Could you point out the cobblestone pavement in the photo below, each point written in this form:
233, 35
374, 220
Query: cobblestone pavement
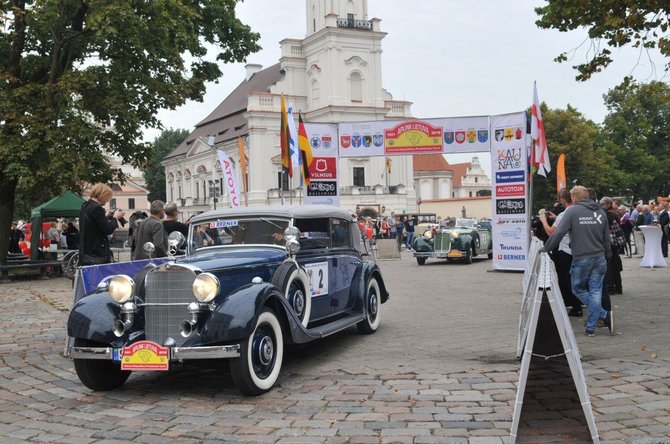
441, 369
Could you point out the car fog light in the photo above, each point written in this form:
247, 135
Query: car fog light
205, 287
121, 288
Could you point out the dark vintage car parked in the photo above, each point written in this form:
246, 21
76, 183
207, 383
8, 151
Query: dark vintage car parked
253, 281
461, 242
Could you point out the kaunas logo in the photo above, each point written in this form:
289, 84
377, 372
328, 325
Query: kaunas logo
509, 158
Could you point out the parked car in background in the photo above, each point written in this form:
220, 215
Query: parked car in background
461, 242
253, 281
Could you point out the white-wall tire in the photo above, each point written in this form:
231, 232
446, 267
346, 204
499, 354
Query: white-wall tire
373, 302
261, 355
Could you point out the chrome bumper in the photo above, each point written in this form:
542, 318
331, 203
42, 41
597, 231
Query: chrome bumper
176, 353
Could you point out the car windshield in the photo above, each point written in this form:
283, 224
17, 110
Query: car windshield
238, 231
466, 222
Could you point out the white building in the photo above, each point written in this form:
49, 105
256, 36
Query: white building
332, 75
435, 178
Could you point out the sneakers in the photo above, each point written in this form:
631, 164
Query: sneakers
609, 322
590, 333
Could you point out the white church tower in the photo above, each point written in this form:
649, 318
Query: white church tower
332, 75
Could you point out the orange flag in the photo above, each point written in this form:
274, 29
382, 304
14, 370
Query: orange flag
285, 136
243, 168
560, 173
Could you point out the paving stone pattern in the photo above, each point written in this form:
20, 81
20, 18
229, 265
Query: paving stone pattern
441, 369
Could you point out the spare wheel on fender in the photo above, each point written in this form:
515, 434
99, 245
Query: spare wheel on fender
293, 282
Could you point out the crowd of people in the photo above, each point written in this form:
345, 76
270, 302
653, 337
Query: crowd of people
586, 238
399, 227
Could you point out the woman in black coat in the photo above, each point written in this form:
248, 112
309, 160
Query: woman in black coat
95, 227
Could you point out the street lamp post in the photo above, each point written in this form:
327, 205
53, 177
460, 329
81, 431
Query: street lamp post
214, 192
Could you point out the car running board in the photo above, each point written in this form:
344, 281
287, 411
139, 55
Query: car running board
336, 326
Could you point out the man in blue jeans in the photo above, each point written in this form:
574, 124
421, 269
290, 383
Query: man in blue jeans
590, 244
409, 233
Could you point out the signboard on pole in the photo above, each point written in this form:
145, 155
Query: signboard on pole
323, 188
509, 193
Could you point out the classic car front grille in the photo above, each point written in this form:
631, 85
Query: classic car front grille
442, 242
172, 290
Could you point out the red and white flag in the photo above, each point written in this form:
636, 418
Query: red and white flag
540, 152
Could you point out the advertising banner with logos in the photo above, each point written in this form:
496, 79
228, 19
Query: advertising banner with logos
509, 194
408, 137
323, 188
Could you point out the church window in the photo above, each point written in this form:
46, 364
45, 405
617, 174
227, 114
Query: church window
315, 91
282, 181
359, 176
356, 84
131, 203
475, 179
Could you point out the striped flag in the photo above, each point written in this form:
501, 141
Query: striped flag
284, 141
540, 159
305, 150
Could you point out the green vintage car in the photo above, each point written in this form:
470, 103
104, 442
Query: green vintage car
461, 242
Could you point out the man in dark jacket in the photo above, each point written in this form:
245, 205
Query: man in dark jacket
151, 230
664, 222
587, 225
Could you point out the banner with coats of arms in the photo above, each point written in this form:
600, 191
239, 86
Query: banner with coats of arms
509, 193
408, 137
323, 188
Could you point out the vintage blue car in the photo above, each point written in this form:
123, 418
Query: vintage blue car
253, 280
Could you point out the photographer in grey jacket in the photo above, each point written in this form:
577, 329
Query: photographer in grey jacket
590, 244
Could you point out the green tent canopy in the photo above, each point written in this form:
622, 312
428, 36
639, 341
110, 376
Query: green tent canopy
67, 204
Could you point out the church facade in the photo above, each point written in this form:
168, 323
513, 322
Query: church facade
332, 75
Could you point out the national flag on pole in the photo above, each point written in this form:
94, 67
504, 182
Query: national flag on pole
293, 138
561, 179
284, 140
540, 158
305, 150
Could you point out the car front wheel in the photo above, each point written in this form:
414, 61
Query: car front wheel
373, 301
294, 285
98, 375
420, 260
261, 356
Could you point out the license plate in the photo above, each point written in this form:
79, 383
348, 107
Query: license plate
145, 355
455, 253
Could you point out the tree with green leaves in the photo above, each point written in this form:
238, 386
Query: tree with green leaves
611, 24
154, 173
586, 161
636, 132
83, 78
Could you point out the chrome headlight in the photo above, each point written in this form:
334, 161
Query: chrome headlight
205, 287
455, 234
121, 288
428, 234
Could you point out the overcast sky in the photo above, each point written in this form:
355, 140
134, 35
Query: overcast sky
450, 58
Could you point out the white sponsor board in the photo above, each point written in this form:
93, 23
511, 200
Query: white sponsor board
408, 137
324, 183
541, 281
509, 191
